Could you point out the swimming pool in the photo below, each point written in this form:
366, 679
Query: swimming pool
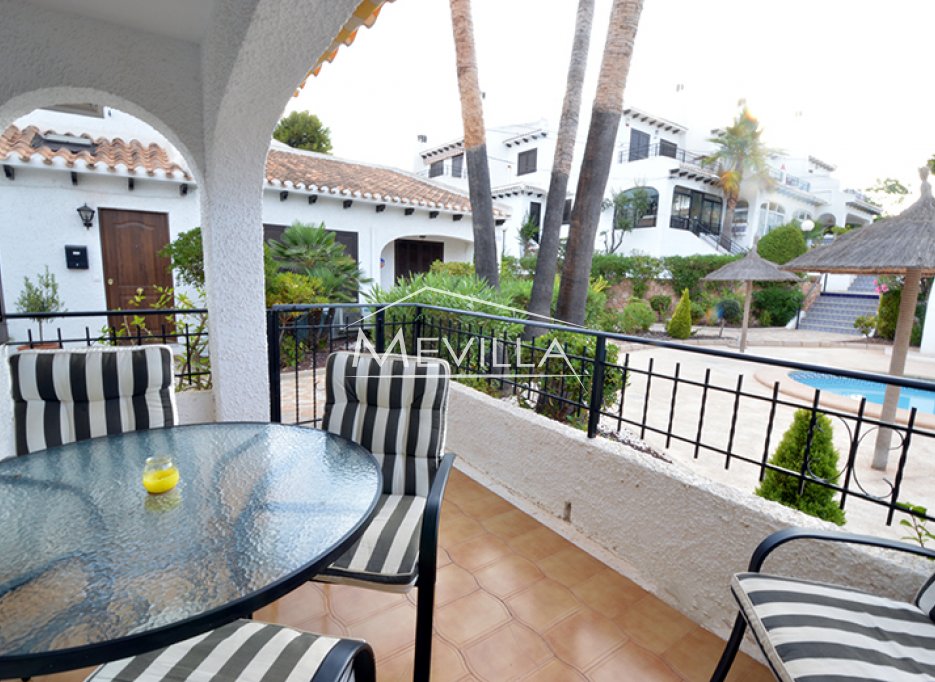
924, 401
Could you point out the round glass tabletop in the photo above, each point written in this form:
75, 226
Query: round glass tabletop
88, 556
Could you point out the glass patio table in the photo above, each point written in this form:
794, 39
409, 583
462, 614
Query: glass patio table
93, 568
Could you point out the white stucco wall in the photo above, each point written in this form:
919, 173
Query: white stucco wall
677, 534
42, 219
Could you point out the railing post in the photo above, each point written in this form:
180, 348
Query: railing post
597, 386
381, 330
273, 353
416, 328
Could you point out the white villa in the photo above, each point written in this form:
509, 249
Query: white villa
143, 195
666, 160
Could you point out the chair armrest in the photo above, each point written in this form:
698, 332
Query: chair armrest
781, 537
428, 538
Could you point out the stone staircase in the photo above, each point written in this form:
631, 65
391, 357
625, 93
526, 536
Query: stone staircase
836, 312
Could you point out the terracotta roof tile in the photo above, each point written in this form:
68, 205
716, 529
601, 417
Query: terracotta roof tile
327, 175
29, 145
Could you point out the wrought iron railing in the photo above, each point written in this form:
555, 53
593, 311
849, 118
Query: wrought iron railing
640, 152
183, 329
725, 415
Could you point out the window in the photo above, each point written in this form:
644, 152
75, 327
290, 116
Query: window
457, 163
696, 211
437, 168
636, 207
667, 148
535, 212
741, 211
771, 215
566, 212
639, 145
526, 162
803, 215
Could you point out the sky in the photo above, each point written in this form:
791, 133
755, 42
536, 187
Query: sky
848, 81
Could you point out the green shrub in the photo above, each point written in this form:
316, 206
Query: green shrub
661, 304
782, 244
680, 326
783, 487
865, 324
698, 312
642, 270
637, 316
729, 310
41, 297
687, 272
185, 253
527, 264
455, 268
610, 266
888, 313
776, 304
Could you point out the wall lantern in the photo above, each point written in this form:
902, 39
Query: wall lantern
87, 215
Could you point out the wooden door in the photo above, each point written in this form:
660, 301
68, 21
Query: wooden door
130, 245
413, 256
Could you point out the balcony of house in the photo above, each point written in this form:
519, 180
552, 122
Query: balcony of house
603, 496
452, 168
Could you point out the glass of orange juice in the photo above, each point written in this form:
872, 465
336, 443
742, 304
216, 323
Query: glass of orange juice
160, 474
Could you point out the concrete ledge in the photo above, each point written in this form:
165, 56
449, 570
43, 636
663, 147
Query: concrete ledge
679, 535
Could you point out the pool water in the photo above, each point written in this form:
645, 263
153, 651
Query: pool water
924, 401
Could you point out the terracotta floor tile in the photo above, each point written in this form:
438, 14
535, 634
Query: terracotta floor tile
485, 506
584, 638
323, 625
632, 663
539, 544
443, 558
67, 676
453, 582
470, 617
571, 566
543, 604
304, 603
696, 654
479, 551
508, 575
457, 528
508, 653
462, 487
654, 624
511, 523
351, 604
556, 671
608, 592
389, 631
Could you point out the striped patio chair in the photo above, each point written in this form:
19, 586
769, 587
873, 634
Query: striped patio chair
398, 412
248, 651
63, 396
810, 631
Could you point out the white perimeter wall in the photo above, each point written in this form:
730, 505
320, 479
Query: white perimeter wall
679, 535
41, 219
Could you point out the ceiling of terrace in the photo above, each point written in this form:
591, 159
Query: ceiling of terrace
179, 19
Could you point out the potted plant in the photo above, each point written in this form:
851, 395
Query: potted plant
41, 297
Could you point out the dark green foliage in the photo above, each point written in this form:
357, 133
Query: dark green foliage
865, 324
782, 244
783, 487
680, 326
639, 269
303, 130
888, 313
730, 310
187, 258
528, 264
661, 305
687, 272
313, 251
698, 312
41, 297
775, 304
455, 268
637, 316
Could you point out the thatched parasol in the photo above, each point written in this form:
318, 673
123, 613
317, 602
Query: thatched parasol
901, 245
749, 269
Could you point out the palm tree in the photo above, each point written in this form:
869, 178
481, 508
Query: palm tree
475, 144
540, 301
740, 152
598, 154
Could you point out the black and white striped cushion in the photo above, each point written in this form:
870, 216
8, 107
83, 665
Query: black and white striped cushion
814, 631
245, 650
396, 411
925, 600
388, 551
63, 396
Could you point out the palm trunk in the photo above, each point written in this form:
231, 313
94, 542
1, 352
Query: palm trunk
598, 154
543, 285
475, 145
907, 312
728, 225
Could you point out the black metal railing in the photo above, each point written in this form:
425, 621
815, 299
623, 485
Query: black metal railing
183, 329
611, 382
640, 152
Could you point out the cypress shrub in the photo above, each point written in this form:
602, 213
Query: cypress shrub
680, 326
782, 487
